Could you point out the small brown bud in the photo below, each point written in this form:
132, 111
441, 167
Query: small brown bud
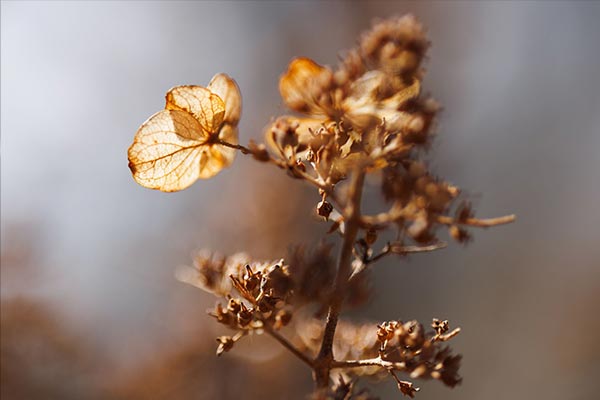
371, 236
407, 388
267, 303
459, 234
223, 316
440, 327
300, 166
234, 306
225, 344
282, 318
251, 279
324, 209
383, 333
259, 152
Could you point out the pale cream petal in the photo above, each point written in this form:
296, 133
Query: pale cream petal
227, 89
207, 107
217, 156
169, 152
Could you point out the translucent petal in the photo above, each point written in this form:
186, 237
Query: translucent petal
226, 88
206, 107
169, 152
218, 156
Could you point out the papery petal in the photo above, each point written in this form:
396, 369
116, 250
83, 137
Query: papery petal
219, 156
207, 107
227, 89
168, 151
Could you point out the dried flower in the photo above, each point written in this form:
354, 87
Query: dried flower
181, 143
365, 115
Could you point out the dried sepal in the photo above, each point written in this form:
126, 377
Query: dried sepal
180, 144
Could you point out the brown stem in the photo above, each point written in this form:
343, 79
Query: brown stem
398, 248
324, 360
399, 366
480, 223
383, 219
239, 147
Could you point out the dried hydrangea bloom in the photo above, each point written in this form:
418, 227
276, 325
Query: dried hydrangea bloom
365, 115
182, 143
368, 110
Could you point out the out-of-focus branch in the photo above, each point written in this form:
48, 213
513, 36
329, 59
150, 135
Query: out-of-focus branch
398, 248
479, 223
283, 341
383, 219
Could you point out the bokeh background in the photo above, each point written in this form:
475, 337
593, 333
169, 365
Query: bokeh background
90, 308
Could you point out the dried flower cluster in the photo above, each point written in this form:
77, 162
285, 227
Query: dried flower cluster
365, 116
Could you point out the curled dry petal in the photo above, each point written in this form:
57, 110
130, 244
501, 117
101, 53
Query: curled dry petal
206, 107
295, 85
226, 88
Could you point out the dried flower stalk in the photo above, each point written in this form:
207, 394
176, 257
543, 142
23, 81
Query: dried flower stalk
366, 115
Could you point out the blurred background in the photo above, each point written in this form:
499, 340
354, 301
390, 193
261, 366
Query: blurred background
90, 308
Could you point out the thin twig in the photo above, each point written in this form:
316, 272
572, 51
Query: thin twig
383, 219
398, 248
239, 147
480, 223
395, 248
370, 362
288, 345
